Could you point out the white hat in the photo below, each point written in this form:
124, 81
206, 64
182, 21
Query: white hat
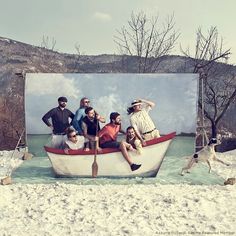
136, 102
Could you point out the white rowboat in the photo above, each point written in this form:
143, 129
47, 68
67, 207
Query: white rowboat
110, 162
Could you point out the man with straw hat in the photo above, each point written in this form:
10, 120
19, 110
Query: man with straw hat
141, 120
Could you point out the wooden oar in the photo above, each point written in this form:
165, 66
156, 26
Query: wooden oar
95, 165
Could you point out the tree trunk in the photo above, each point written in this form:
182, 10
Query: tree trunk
213, 129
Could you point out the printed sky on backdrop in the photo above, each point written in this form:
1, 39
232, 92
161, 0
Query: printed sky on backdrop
175, 96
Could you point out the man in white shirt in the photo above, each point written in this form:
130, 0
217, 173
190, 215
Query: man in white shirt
141, 121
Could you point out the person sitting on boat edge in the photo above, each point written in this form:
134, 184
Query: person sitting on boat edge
108, 138
74, 141
60, 117
90, 127
133, 140
141, 120
80, 114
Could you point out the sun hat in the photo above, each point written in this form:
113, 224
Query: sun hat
136, 102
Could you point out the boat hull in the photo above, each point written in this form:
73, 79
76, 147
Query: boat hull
110, 162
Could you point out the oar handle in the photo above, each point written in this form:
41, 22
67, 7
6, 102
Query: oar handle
95, 165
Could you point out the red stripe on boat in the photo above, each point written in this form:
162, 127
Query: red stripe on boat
108, 150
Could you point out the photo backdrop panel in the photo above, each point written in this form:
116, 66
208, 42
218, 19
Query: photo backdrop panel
175, 96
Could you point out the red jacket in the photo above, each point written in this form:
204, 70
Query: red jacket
109, 133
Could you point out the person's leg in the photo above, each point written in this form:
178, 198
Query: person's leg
63, 141
110, 144
138, 146
94, 145
57, 141
154, 134
123, 148
86, 144
147, 137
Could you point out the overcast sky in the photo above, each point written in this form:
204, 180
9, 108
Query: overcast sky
175, 96
92, 23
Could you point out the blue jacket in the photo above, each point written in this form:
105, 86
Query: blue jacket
77, 121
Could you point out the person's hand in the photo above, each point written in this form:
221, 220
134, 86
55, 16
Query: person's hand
66, 150
96, 138
132, 149
143, 142
100, 118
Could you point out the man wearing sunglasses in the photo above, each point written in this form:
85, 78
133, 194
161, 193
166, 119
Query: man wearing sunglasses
60, 121
73, 142
80, 114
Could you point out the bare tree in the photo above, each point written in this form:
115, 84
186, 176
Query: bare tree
208, 49
12, 119
78, 50
79, 53
48, 44
218, 87
145, 40
220, 92
79, 58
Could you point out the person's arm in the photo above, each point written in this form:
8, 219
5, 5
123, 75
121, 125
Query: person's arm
46, 118
75, 122
66, 149
130, 147
85, 132
137, 132
100, 118
121, 130
102, 132
71, 115
149, 103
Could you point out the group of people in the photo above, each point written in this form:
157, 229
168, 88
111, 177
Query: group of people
82, 129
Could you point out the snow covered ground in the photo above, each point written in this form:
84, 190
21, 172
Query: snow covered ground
155, 209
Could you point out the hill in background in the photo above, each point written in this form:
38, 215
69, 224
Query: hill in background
17, 57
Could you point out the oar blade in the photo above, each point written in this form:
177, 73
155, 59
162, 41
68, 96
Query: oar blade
94, 169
